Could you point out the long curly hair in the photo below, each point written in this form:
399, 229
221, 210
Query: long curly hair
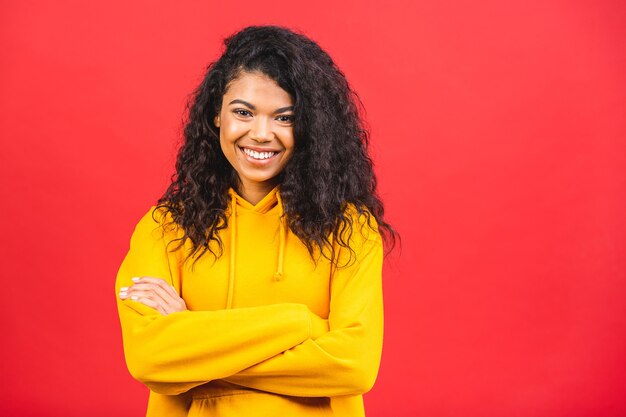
330, 167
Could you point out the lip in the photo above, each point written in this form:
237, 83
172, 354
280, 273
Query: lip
258, 148
258, 162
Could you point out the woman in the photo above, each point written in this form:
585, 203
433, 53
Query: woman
253, 287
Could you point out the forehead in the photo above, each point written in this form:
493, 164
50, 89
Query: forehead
256, 88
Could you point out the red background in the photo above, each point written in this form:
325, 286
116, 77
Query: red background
498, 131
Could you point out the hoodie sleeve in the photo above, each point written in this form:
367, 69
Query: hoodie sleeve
345, 360
174, 353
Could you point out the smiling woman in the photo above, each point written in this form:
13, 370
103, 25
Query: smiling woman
253, 286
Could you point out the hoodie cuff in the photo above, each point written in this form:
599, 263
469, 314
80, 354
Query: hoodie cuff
319, 326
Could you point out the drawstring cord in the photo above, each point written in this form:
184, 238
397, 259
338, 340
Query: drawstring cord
278, 275
233, 233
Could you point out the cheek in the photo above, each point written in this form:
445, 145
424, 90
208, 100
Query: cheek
229, 134
289, 152
230, 128
288, 141
226, 132
226, 146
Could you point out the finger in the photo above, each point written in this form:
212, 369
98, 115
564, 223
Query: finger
160, 282
174, 297
152, 291
165, 297
150, 299
141, 294
150, 303
123, 294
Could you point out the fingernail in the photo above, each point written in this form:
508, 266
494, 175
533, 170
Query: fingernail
135, 279
123, 294
134, 297
123, 289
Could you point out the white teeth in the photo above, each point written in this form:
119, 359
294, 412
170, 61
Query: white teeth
258, 155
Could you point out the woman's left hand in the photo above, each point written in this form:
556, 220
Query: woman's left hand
155, 293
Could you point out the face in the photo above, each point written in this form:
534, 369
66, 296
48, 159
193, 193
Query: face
256, 130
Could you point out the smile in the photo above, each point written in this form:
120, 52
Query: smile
259, 155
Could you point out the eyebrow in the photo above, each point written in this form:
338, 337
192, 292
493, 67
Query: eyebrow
245, 103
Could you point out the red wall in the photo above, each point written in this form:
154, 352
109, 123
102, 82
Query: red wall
499, 133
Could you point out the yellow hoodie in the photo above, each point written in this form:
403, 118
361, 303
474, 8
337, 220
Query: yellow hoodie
267, 332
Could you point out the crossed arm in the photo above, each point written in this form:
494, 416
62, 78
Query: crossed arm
281, 348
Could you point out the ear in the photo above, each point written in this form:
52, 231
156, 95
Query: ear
216, 121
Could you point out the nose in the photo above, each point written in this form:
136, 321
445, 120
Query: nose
261, 130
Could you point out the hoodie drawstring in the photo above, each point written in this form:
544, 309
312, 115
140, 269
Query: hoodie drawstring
278, 275
233, 233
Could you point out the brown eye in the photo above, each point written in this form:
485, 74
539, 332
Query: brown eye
287, 119
242, 112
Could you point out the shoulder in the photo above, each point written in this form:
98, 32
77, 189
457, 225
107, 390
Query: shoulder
156, 223
361, 222
358, 235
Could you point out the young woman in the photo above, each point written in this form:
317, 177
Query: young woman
253, 286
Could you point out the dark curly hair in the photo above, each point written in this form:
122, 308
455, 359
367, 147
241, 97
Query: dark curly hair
330, 167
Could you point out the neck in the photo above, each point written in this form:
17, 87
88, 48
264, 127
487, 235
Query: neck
253, 193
